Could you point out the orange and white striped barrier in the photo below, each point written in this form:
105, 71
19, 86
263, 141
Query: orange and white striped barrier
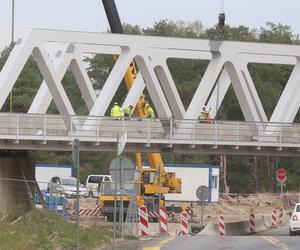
153, 214
221, 224
184, 230
163, 220
274, 218
280, 217
143, 222
89, 212
252, 221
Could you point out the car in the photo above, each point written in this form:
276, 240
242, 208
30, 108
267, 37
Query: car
93, 184
294, 223
66, 186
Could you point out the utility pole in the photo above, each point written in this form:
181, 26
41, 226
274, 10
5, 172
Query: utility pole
12, 21
255, 173
11, 44
223, 164
75, 152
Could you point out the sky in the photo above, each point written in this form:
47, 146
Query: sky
89, 15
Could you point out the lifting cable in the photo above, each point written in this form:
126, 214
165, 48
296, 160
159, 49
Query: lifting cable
222, 5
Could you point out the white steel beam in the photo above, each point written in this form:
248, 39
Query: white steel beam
110, 87
153, 87
289, 101
54, 84
43, 98
218, 93
207, 82
84, 83
14, 65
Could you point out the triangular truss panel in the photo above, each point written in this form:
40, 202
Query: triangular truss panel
227, 66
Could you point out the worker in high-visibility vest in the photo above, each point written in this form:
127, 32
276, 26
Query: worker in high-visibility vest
116, 112
149, 110
204, 114
128, 111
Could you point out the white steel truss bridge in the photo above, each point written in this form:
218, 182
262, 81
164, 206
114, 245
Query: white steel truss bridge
177, 128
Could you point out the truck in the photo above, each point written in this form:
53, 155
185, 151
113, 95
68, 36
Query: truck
193, 176
45, 172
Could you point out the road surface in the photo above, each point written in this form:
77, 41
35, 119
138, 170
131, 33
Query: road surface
272, 239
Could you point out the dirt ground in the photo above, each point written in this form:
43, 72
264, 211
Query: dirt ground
237, 207
233, 206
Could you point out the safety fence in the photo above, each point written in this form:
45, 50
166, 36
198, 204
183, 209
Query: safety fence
98, 130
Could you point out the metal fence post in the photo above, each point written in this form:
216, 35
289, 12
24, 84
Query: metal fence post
171, 131
216, 134
258, 135
237, 134
193, 132
280, 135
149, 130
98, 130
18, 127
75, 154
71, 127
45, 127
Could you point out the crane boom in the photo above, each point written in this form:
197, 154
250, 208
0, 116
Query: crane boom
168, 180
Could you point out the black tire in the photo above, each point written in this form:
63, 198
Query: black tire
292, 233
91, 195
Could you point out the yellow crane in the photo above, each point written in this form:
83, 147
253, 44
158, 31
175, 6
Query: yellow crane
162, 182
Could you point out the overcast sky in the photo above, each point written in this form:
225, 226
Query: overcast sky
88, 15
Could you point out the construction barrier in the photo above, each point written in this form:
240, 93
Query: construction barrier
184, 225
143, 222
221, 224
171, 215
280, 217
189, 211
274, 218
163, 220
153, 214
89, 212
252, 221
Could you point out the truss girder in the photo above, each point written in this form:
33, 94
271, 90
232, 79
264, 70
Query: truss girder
228, 65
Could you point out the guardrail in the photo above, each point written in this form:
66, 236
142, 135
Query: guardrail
169, 132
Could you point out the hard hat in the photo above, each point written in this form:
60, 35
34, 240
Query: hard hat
115, 103
146, 104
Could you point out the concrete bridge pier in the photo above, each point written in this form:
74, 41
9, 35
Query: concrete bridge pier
15, 167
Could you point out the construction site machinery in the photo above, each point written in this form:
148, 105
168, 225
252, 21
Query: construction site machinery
153, 182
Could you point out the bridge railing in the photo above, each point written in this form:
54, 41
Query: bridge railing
167, 131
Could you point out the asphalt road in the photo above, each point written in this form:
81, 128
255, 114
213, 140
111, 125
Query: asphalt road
272, 239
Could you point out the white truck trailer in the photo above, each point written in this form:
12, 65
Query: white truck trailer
193, 176
44, 173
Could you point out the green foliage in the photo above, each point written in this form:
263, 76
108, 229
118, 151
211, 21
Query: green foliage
175, 29
276, 33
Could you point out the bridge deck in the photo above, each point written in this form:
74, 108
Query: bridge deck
49, 132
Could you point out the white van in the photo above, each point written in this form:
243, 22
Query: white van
93, 183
